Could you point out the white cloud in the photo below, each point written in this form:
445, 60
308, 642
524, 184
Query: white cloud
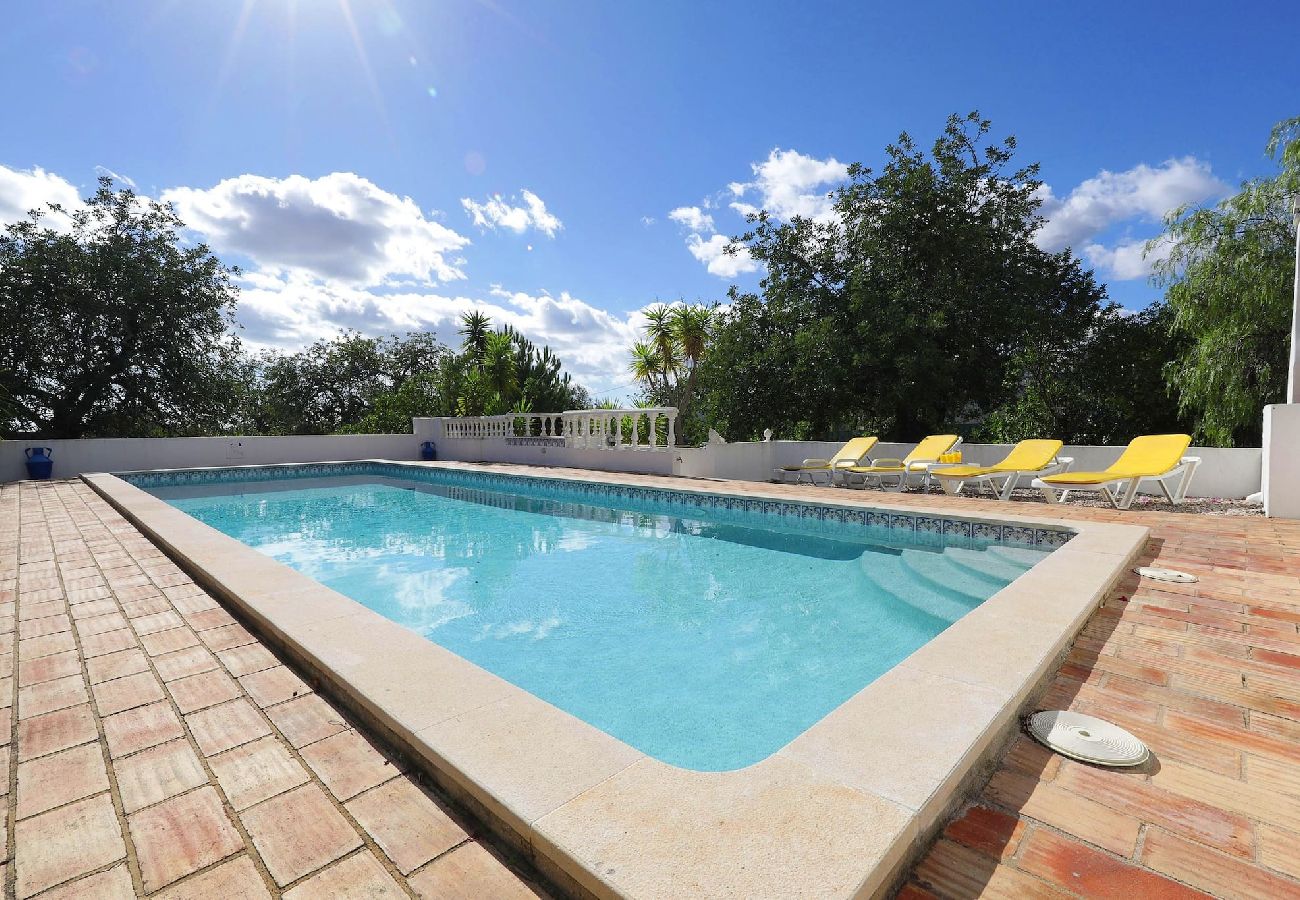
497, 212
1127, 260
23, 190
712, 253
288, 311
340, 227
788, 184
1142, 192
592, 342
693, 218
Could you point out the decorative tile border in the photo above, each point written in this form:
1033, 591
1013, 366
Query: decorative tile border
923, 528
535, 441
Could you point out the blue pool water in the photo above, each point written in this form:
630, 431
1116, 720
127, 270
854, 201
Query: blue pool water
707, 641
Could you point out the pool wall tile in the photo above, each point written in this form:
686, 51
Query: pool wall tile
560, 490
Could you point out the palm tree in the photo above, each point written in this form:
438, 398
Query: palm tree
690, 326
646, 364
474, 332
676, 339
499, 366
659, 330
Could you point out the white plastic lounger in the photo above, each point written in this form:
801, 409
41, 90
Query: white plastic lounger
854, 453
1152, 457
899, 474
1028, 459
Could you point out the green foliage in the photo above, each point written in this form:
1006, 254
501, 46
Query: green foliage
667, 363
917, 307
343, 384
1229, 277
111, 326
1101, 383
357, 384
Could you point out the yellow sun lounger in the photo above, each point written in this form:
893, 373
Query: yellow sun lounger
893, 474
1152, 457
851, 454
1028, 459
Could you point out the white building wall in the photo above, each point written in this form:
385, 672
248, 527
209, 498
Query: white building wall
73, 457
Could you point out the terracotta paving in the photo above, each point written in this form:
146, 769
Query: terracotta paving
156, 747
153, 747
1208, 675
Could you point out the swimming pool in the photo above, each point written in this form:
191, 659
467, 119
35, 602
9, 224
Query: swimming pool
707, 634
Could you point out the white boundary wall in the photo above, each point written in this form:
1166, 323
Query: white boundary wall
1227, 473
1233, 473
74, 457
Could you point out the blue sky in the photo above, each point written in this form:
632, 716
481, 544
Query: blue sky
386, 164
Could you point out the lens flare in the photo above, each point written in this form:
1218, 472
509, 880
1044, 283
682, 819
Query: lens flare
389, 22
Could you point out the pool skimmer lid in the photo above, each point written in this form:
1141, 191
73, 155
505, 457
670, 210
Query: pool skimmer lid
1087, 738
1165, 575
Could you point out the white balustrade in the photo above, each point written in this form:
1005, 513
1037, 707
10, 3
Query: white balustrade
653, 428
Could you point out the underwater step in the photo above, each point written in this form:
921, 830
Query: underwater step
893, 575
997, 569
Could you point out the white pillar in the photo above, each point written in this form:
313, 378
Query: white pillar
1281, 481
1293, 383
672, 437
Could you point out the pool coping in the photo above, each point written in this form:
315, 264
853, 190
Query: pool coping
839, 811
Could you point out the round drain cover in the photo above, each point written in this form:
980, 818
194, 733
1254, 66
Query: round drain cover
1165, 575
1087, 738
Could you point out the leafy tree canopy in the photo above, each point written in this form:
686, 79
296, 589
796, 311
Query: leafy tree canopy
1228, 275
921, 303
358, 384
111, 326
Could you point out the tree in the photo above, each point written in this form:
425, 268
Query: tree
474, 330
904, 310
501, 371
392, 411
110, 326
1228, 277
1100, 382
647, 366
667, 362
348, 383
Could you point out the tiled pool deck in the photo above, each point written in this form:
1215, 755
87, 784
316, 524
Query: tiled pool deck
121, 660
153, 746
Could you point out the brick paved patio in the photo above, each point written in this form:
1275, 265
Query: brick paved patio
1208, 674
156, 746
152, 746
